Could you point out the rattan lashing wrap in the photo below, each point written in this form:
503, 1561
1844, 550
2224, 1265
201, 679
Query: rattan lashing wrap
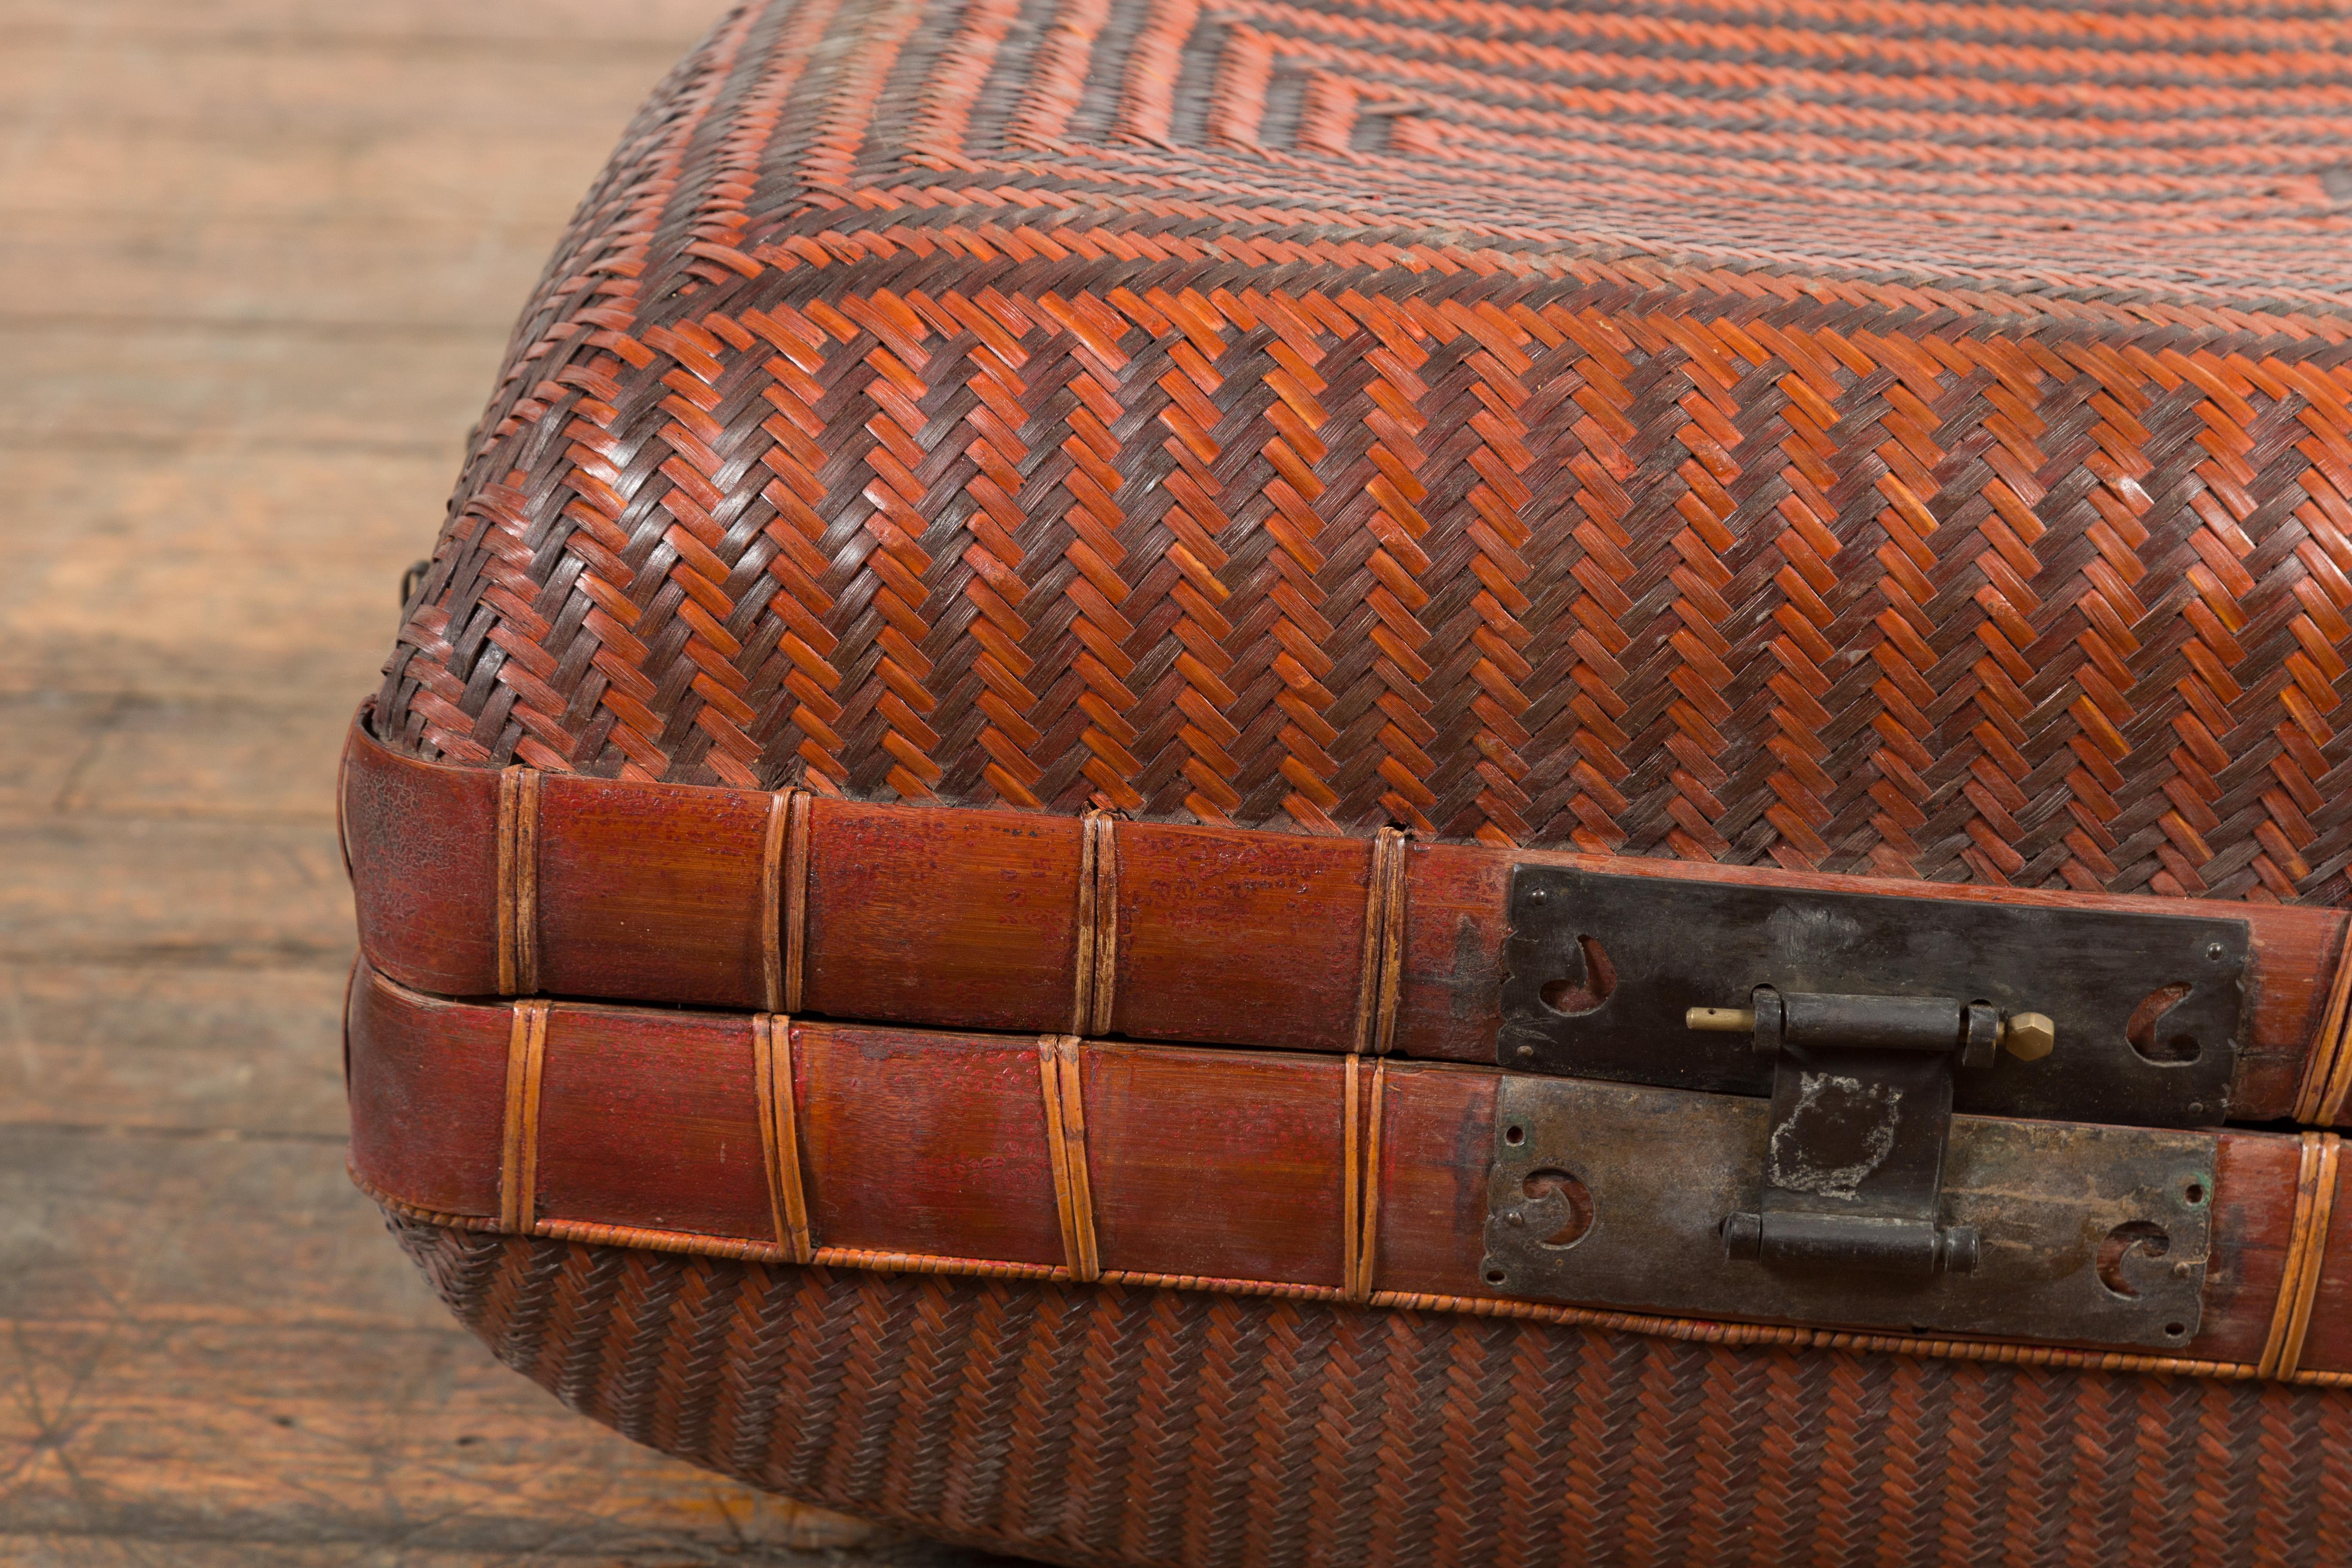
1120, 1425
1867, 436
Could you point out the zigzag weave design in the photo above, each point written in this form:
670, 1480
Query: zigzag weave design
1112, 1425
1864, 437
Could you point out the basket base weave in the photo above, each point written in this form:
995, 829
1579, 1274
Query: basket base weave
1105, 1425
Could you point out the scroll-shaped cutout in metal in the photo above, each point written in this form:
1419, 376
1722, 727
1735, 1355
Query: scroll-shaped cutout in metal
2144, 1236
2152, 1035
1664, 1166
1586, 993
1558, 1211
1672, 944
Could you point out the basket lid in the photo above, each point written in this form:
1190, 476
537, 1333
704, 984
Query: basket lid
1909, 442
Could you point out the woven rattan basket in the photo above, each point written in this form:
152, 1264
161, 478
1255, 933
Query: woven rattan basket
1849, 439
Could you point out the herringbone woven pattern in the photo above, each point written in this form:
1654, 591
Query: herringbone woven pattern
1869, 437
1099, 1425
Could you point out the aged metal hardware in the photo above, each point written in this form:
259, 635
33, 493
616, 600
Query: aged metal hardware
2027, 1036
1862, 1107
1601, 971
1609, 1195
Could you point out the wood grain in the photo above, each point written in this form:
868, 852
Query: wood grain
932, 1151
972, 919
302, 226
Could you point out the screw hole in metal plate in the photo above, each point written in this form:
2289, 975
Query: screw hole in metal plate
1514, 1135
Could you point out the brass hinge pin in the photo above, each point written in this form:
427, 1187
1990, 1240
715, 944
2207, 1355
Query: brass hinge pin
2027, 1036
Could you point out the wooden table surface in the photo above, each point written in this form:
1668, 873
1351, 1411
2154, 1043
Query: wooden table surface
257, 259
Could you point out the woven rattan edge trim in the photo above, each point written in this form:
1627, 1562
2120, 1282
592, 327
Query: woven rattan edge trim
780, 1139
1691, 1330
2327, 1073
2306, 1255
519, 1141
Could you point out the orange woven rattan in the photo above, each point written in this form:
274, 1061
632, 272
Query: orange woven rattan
1904, 439
1868, 437
1115, 1425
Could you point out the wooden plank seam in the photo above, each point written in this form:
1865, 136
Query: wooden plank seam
2327, 1072
2306, 1257
518, 1146
1066, 1147
779, 1139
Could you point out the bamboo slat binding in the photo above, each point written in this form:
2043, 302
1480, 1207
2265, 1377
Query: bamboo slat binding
2327, 1072
773, 913
779, 1139
2306, 1255
1389, 895
1360, 1175
1065, 1140
1097, 963
519, 1148
792, 898
517, 890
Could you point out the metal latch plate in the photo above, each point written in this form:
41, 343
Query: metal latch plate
1606, 1194
1601, 968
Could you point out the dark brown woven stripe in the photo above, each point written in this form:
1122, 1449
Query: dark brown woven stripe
1109, 1425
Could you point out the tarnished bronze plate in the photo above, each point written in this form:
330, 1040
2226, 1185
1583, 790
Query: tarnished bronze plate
1610, 1194
1602, 968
